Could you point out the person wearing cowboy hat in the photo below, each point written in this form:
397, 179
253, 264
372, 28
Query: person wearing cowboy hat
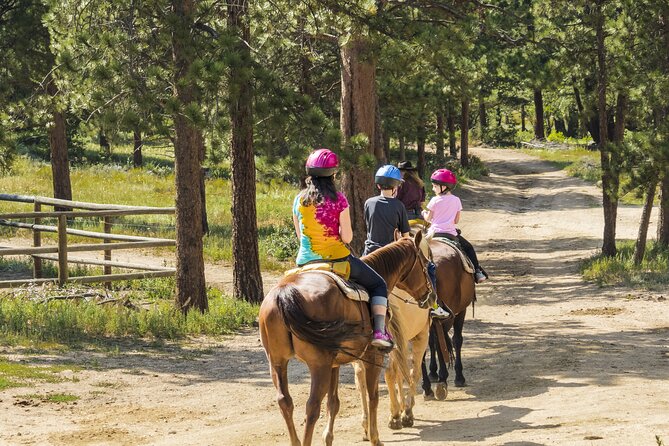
412, 191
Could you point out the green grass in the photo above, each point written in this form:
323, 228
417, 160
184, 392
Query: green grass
652, 274
16, 374
74, 321
57, 398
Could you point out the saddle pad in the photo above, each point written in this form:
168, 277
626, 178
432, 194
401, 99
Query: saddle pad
342, 268
350, 290
466, 263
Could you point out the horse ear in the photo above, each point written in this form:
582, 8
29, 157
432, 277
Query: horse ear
397, 234
417, 238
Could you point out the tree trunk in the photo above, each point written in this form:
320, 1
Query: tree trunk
440, 134
188, 145
357, 116
386, 145
420, 149
609, 189
379, 153
539, 132
522, 118
60, 164
402, 148
483, 116
560, 125
663, 221
640, 246
247, 280
105, 147
573, 129
464, 134
450, 122
137, 159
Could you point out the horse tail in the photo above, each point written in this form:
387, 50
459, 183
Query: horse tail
400, 353
328, 335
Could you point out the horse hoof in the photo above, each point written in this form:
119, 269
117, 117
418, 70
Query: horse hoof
460, 383
395, 424
428, 396
442, 391
407, 421
433, 377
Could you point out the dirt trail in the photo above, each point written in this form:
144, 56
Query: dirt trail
549, 359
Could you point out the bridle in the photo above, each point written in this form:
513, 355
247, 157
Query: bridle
430, 288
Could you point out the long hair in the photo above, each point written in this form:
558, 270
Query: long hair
318, 189
412, 177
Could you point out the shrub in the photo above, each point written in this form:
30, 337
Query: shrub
653, 273
556, 137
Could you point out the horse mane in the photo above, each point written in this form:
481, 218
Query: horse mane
328, 335
385, 260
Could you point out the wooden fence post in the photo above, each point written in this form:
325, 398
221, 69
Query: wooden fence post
108, 253
62, 250
37, 241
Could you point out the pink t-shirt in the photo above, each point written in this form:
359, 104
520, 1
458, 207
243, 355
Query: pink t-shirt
444, 209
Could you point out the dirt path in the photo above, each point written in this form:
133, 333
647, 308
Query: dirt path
549, 359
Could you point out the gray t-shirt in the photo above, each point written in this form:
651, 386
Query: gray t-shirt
382, 216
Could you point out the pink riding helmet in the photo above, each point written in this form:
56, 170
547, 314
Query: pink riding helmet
322, 163
444, 177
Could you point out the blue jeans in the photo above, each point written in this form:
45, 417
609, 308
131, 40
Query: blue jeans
364, 275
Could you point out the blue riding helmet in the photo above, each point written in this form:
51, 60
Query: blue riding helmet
388, 176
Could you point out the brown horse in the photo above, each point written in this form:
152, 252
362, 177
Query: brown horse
307, 316
456, 288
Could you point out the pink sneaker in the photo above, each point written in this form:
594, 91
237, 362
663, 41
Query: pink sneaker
382, 339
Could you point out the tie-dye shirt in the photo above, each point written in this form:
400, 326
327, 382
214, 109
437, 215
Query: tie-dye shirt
319, 226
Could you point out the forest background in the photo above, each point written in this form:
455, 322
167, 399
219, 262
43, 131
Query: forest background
205, 98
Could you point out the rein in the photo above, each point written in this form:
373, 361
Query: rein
429, 282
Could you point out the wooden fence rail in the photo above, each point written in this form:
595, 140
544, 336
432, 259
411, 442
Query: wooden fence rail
105, 211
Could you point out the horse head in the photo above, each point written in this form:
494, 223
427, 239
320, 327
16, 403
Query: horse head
416, 281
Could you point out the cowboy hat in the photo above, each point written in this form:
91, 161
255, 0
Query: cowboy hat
405, 165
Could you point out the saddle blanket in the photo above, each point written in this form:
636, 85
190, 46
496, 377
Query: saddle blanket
466, 263
339, 272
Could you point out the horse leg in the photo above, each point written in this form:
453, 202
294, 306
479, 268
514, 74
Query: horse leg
361, 385
320, 384
332, 406
441, 390
457, 343
372, 377
279, 372
427, 387
393, 380
433, 343
419, 345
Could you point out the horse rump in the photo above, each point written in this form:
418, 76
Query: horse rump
328, 335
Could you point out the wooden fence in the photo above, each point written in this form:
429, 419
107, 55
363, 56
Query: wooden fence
60, 253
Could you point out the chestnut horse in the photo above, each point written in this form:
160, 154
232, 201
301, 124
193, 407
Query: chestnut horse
456, 288
306, 316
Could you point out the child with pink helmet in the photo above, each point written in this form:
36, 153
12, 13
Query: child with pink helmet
443, 213
322, 220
